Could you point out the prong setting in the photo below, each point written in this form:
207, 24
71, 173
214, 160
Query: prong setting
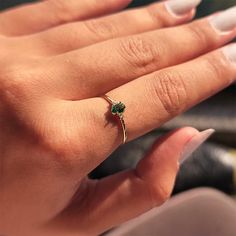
118, 108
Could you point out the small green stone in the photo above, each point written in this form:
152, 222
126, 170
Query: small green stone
118, 108
113, 110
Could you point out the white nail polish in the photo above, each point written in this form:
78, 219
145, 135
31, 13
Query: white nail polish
230, 52
195, 143
181, 7
225, 21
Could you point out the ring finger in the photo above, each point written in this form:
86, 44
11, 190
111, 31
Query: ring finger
155, 98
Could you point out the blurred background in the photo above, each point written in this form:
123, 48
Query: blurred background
214, 164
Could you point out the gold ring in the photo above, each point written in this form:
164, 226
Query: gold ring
118, 109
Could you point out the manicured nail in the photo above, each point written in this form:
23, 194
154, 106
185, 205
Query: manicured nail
230, 52
181, 7
225, 21
195, 143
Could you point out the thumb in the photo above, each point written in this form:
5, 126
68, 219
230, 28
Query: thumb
125, 195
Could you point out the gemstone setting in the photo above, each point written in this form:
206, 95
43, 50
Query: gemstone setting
118, 108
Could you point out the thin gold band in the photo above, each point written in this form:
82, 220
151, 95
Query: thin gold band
119, 115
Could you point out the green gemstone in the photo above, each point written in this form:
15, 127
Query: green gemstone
118, 108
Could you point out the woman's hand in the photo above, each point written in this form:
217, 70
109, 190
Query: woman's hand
56, 127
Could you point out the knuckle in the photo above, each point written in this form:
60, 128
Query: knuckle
13, 84
200, 35
161, 194
156, 194
170, 89
217, 66
62, 147
152, 13
160, 20
140, 52
65, 152
101, 28
162, 191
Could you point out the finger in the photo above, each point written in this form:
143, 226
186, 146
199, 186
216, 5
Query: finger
30, 19
156, 98
163, 95
79, 34
133, 56
131, 193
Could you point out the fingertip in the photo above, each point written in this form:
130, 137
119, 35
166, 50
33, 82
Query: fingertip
186, 132
187, 17
177, 137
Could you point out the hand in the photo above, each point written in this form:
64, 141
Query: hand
56, 127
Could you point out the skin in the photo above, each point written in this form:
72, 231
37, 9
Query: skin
56, 128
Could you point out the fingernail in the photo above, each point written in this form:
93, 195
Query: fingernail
225, 21
195, 143
230, 52
181, 7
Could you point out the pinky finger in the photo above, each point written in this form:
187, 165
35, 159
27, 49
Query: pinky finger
36, 17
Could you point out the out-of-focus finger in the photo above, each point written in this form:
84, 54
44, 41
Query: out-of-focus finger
35, 17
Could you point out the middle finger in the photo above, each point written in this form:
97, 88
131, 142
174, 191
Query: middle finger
95, 70
156, 98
